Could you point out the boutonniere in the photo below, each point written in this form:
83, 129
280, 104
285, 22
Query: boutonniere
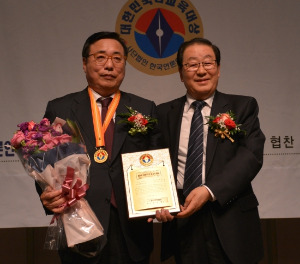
138, 122
224, 125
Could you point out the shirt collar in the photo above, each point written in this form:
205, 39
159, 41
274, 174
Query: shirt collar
190, 100
97, 96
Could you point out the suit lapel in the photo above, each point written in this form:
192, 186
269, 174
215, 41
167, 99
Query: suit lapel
174, 118
120, 131
81, 109
218, 106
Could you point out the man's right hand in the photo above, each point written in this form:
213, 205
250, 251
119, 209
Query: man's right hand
53, 200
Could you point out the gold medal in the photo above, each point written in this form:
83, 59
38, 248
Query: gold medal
100, 155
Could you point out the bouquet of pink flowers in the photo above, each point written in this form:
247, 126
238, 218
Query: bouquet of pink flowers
55, 155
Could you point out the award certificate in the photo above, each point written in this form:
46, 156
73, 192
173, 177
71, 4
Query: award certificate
149, 183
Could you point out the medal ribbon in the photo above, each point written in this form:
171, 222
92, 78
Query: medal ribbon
100, 128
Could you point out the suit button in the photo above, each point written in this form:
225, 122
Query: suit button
107, 200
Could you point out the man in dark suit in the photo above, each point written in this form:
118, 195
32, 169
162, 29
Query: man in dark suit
219, 221
104, 58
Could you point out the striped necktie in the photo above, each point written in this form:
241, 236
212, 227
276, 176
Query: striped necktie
194, 161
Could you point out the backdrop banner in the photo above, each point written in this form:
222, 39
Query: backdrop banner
259, 40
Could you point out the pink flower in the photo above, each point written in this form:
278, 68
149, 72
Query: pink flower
224, 117
64, 139
54, 141
31, 125
45, 122
47, 137
47, 147
51, 142
58, 128
32, 143
17, 139
31, 135
139, 116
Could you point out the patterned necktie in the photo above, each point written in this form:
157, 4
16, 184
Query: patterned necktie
109, 133
194, 161
108, 137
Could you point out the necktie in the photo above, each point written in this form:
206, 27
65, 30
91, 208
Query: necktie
194, 161
109, 133
108, 137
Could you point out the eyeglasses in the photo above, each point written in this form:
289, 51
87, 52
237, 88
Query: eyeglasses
100, 59
207, 65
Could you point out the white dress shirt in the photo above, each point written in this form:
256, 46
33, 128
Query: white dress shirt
188, 113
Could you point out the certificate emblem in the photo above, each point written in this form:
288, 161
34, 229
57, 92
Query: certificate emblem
100, 156
146, 159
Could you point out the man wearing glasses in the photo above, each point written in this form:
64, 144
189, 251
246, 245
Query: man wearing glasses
213, 164
104, 59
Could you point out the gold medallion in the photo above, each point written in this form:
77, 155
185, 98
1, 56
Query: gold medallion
101, 155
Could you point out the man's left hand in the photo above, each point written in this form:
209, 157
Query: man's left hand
194, 201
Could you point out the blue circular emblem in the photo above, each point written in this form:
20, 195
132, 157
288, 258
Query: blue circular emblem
154, 30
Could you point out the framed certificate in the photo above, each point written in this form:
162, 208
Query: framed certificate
149, 183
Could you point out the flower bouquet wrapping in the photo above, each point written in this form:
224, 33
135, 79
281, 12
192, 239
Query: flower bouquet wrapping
55, 155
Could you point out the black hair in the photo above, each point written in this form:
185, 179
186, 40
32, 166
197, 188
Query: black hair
203, 41
102, 35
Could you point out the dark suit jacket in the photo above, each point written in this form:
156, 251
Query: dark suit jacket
230, 168
76, 107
